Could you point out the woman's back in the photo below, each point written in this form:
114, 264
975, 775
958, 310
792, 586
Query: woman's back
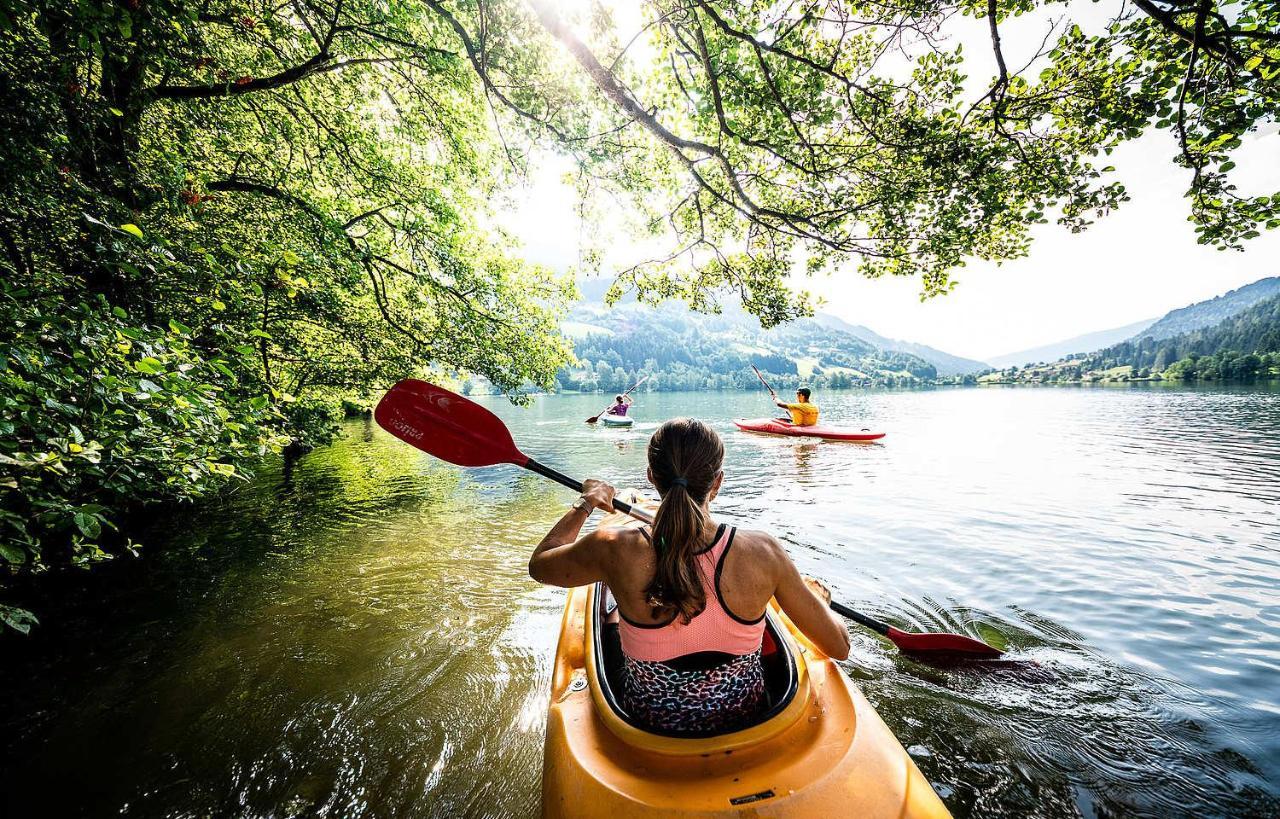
735, 566
649, 635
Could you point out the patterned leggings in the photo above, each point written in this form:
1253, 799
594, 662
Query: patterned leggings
717, 700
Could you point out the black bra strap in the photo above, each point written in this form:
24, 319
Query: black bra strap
720, 597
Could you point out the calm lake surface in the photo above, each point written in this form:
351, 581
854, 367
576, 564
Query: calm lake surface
359, 638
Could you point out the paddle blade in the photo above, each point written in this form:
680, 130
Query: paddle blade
446, 425
953, 645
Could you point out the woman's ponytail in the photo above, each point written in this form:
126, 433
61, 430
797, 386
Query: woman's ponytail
685, 456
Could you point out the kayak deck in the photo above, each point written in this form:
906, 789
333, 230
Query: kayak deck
617, 420
824, 751
772, 426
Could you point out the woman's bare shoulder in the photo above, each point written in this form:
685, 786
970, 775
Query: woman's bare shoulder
622, 540
760, 545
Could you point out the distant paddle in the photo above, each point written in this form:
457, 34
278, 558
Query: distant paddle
766, 383
460, 431
596, 417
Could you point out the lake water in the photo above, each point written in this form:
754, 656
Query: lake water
359, 638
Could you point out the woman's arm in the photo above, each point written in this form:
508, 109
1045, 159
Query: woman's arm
566, 560
809, 611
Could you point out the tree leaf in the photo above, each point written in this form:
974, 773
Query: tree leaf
12, 554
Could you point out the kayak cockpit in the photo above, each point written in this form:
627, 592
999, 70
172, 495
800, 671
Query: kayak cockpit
825, 753
786, 683
780, 676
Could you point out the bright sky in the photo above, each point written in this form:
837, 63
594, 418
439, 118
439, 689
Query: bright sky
1137, 263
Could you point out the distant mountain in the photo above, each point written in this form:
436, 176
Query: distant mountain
1078, 344
1243, 346
593, 291
945, 363
687, 350
1208, 313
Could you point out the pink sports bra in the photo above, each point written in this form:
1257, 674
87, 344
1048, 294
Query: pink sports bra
715, 628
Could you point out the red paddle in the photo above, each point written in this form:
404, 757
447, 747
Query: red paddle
460, 431
916, 643
766, 383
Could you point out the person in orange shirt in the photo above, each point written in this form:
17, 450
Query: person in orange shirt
803, 413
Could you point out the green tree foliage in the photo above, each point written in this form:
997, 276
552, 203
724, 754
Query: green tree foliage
217, 221
826, 134
98, 411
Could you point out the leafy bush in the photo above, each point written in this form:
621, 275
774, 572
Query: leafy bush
100, 414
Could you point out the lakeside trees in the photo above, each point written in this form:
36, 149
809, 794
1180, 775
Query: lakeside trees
218, 220
239, 212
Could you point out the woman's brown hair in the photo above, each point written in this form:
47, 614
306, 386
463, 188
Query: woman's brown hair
685, 456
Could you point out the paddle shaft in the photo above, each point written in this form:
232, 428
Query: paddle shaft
461, 432
762, 381
874, 625
640, 514
906, 641
596, 417
576, 486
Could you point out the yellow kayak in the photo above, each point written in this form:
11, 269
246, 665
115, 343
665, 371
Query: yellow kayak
821, 750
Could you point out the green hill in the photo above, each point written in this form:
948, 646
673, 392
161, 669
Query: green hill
1211, 312
1244, 346
684, 350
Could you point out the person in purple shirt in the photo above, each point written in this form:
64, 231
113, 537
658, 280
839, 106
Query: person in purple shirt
622, 405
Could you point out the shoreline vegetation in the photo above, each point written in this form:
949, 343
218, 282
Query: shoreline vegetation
1226, 369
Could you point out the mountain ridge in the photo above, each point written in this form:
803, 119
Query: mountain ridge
688, 350
1083, 343
944, 362
1210, 312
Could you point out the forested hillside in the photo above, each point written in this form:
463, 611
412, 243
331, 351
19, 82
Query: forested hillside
1244, 346
945, 363
683, 350
1212, 311
1233, 344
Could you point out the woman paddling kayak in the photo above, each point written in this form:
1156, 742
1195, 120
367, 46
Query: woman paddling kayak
691, 593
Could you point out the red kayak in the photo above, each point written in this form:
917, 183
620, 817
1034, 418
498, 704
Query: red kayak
772, 426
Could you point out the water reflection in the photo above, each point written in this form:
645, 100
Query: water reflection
358, 637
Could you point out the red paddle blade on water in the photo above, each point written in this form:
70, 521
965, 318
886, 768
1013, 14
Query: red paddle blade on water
446, 425
941, 644
956, 645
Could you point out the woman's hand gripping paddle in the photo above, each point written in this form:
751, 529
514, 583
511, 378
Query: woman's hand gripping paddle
460, 431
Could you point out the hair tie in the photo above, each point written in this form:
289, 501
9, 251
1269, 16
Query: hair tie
680, 482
